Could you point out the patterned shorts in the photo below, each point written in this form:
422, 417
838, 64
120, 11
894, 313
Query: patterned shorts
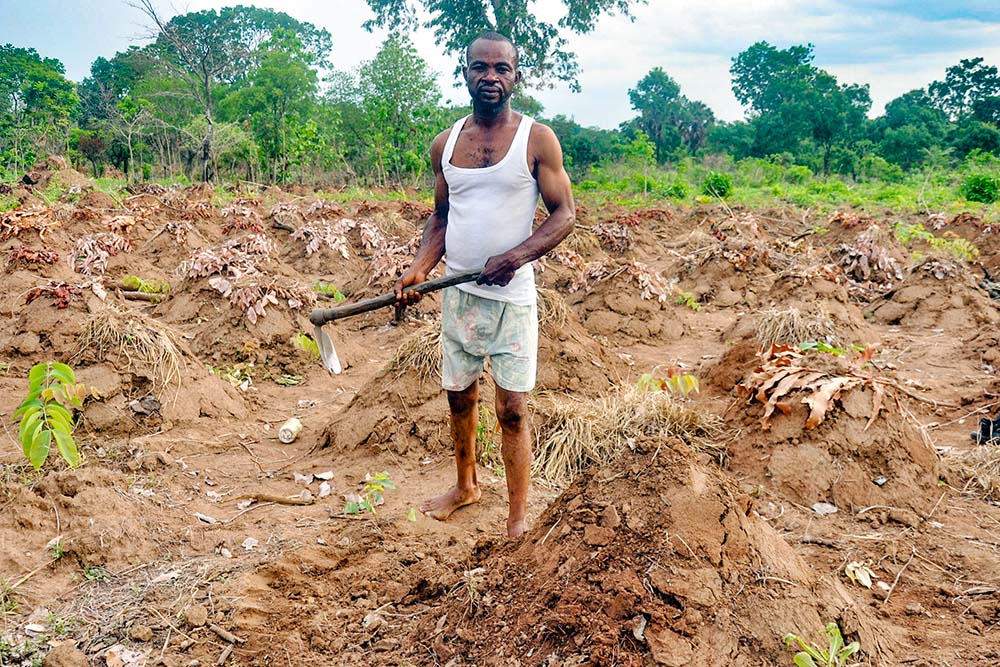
473, 328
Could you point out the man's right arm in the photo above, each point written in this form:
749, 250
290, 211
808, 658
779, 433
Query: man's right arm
432, 243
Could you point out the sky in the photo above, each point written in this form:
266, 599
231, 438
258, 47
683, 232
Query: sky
893, 45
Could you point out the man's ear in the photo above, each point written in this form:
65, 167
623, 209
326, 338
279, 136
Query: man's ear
465, 73
518, 76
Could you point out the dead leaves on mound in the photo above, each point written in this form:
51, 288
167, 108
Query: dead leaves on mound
783, 373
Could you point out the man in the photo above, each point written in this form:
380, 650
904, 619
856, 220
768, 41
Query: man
490, 169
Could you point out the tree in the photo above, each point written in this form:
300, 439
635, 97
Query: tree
210, 49
279, 98
37, 103
792, 101
669, 119
541, 44
391, 106
965, 85
911, 126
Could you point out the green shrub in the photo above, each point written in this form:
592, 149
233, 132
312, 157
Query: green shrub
676, 189
982, 188
798, 173
717, 184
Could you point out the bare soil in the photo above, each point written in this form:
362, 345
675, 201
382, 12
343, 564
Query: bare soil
191, 533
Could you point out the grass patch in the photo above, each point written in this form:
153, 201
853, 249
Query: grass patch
791, 326
420, 353
143, 343
578, 433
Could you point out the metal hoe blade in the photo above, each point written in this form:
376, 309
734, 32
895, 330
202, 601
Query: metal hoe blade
327, 352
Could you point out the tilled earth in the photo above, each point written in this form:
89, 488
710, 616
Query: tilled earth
177, 541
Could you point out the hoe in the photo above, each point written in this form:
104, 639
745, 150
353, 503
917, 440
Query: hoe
321, 316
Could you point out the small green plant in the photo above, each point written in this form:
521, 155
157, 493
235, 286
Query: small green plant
8, 605
688, 300
45, 413
137, 284
486, 441
56, 551
95, 573
955, 246
835, 655
329, 290
239, 375
305, 343
371, 495
676, 382
286, 380
58, 624
717, 184
823, 347
981, 188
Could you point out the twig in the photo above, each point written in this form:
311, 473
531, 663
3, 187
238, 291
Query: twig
241, 513
898, 575
224, 655
226, 634
280, 500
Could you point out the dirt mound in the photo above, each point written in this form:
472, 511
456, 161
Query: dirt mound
819, 429
938, 296
655, 559
97, 199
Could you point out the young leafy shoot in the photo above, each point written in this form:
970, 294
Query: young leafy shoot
835, 655
676, 383
46, 413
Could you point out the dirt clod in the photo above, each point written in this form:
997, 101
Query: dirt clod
195, 615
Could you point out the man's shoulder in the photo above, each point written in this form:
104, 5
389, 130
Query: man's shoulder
541, 132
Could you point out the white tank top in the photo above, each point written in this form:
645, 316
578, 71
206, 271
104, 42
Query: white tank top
491, 210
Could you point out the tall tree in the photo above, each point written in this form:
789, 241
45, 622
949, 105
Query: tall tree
279, 98
37, 103
210, 49
965, 85
668, 118
792, 101
542, 45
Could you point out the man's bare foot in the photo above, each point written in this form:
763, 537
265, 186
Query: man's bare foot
517, 528
441, 507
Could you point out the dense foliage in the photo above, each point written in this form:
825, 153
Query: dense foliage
249, 93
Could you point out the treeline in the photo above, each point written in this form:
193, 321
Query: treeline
249, 93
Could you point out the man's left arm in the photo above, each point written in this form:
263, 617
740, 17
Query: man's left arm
554, 186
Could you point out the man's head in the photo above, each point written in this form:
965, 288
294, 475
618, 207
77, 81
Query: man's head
491, 71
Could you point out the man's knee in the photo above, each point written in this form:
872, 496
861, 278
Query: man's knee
464, 401
512, 410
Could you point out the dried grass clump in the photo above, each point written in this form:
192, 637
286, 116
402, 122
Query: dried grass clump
146, 345
791, 326
420, 353
980, 469
578, 433
552, 309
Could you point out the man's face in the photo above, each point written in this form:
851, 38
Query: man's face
491, 73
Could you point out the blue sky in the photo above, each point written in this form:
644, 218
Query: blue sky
893, 45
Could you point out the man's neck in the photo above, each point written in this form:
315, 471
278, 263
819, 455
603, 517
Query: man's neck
492, 117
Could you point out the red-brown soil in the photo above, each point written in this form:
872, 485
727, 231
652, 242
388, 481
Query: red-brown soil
663, 556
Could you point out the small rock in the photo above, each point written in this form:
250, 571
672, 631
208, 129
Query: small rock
66, 655
915, 609
824, 509
141, 633
597, 536
610, 518
196, 615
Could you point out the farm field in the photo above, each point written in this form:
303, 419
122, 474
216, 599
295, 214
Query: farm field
843, 362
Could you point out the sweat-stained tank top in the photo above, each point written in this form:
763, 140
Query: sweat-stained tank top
491, 210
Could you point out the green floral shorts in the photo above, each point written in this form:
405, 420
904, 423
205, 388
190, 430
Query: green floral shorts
473, 328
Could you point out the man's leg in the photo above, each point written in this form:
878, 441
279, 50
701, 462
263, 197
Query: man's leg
512, 413
464, 419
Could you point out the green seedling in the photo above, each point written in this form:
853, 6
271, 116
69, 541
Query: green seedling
305, 343
46, 415
688, 300
95, 573
371, 495
835, 655
677, 383
137, 284
329, 290
286, 380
